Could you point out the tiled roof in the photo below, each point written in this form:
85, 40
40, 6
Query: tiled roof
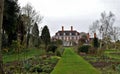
68, 32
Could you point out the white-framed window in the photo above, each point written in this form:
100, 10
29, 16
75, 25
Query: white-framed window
64, 34
70, 37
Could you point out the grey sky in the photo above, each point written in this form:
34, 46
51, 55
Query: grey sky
77, 13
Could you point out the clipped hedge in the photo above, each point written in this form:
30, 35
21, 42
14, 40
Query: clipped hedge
52, 48
84, 48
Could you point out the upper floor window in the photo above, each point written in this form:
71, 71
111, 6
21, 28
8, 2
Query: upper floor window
64, 34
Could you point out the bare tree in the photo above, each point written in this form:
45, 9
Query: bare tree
1, 21
32, 17
104, 27
115, 35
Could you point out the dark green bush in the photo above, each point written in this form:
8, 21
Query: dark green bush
58, 53
52, 48
84, 48
36, 68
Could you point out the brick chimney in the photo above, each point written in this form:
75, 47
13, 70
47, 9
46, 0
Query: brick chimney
71, 28
94, 35
62, 28
88, 36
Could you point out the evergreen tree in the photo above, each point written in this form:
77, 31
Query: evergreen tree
11, 10
35, 34
95, 42
45, 36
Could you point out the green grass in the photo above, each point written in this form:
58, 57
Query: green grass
23, 55
71, 63
107, 52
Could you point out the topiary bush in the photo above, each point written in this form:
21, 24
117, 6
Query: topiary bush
84, 48
58, 53
52, 48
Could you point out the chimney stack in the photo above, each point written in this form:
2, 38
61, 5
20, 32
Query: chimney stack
62, 28
94, 35
71, 28
88, 36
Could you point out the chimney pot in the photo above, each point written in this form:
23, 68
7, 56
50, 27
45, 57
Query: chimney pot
88, 35
94, 35
71, 28
62, 28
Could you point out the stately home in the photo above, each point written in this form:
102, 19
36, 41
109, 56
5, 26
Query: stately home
69, 37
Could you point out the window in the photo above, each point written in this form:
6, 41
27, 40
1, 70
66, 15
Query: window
72, 38
62, 38
64, 33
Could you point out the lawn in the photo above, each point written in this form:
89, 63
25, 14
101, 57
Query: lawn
116, 54
71, 63
23, 55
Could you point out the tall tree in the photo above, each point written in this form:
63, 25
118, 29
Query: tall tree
35, 34
32, 18
104, 27
1, 21
11, 10
21, 31
45, 36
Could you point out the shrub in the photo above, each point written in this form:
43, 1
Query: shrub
27, 66
118, 68
84, 48
95, 42
52, 48
16, 47
36, 68
58, 53
47, 68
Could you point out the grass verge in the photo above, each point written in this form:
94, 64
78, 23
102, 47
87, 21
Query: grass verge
23, 55
71, 63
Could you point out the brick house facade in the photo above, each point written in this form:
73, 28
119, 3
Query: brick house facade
69, 37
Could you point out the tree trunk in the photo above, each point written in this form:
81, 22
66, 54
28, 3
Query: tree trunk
1, 21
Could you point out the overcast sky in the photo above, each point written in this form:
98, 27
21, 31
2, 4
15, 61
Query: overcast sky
77, 13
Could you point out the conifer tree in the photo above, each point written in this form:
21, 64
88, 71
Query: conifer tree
45, 36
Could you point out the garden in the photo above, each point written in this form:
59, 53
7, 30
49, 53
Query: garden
107, 61
32, 61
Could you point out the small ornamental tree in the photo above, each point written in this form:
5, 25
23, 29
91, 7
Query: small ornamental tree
45, 36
